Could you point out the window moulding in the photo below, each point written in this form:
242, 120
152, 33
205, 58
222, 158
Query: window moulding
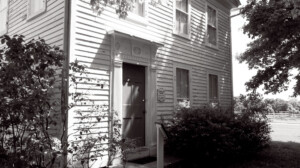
175, 32
38, 12
218, 74
137, 19
189, 69
207, 44
6, 13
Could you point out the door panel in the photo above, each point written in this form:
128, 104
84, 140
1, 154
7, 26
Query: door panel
134, 103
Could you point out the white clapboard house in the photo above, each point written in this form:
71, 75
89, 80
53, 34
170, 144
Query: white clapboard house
177, 52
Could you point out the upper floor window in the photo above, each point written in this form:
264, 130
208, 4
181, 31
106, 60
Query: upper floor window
213, 88
212, 27
35, 7
182, 87
138, 13
182, 18
3, 16
139, 7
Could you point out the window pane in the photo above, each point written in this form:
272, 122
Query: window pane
178, 83
211, 35
182, 83
211, 14
213, 87
177, 21
138, 7
3, 20
182, 5
3, 4
181, 22
3, 16
36, 6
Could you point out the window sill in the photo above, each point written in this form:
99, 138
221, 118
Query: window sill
212, 46
137, 19
34, 16
182, 35
2, 33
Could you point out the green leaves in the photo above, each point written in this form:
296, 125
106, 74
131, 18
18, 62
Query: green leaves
275, 50
208, 135
27, 75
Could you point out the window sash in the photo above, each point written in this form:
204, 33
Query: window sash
212, 21
138, 8
36, 7
182, 84
181, 22
3, 16
182, 17
213, 87
3, 4
211, 35
212, 17
182, 5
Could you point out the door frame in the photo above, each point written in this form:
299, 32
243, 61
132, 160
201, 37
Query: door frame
144, 97
150, 97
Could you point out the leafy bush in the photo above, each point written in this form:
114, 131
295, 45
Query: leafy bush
212, 134
27, 78
30, 111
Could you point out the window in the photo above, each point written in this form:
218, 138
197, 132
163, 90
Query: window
35, 7
182, 18
138, 13
3, 16
212, 31
182, 87
213, 88
138, 7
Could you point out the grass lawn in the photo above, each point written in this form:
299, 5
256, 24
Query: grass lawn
279, 155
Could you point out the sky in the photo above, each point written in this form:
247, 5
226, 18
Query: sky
241, 73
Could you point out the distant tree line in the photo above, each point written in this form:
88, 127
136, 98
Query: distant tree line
269, 105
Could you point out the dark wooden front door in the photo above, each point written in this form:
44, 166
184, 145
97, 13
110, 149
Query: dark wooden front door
134, 103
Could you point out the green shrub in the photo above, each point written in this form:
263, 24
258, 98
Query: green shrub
212, 134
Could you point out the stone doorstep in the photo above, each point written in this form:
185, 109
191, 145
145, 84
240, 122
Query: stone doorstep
169, 160
138, 153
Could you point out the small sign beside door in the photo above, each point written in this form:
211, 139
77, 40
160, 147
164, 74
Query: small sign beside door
161, 97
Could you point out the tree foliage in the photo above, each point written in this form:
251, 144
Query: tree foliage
122, 7
29, 110
274, 27
256, 103
27, 77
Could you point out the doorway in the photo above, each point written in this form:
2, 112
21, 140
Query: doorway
133, 114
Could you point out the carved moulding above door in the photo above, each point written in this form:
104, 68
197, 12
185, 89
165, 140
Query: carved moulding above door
130, 48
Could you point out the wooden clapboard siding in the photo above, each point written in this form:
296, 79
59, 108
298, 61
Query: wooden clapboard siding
48, 26
92, 46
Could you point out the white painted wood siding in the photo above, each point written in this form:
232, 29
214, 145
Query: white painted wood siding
92, 46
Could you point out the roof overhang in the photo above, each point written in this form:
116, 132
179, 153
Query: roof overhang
230, 3
135, 36
236, 2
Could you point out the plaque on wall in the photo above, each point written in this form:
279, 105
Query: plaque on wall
161, 97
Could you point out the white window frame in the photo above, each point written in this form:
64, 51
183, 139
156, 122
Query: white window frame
218, 87
36, 14
189, 69
188, 35
6, 22
143, 20
217, 27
